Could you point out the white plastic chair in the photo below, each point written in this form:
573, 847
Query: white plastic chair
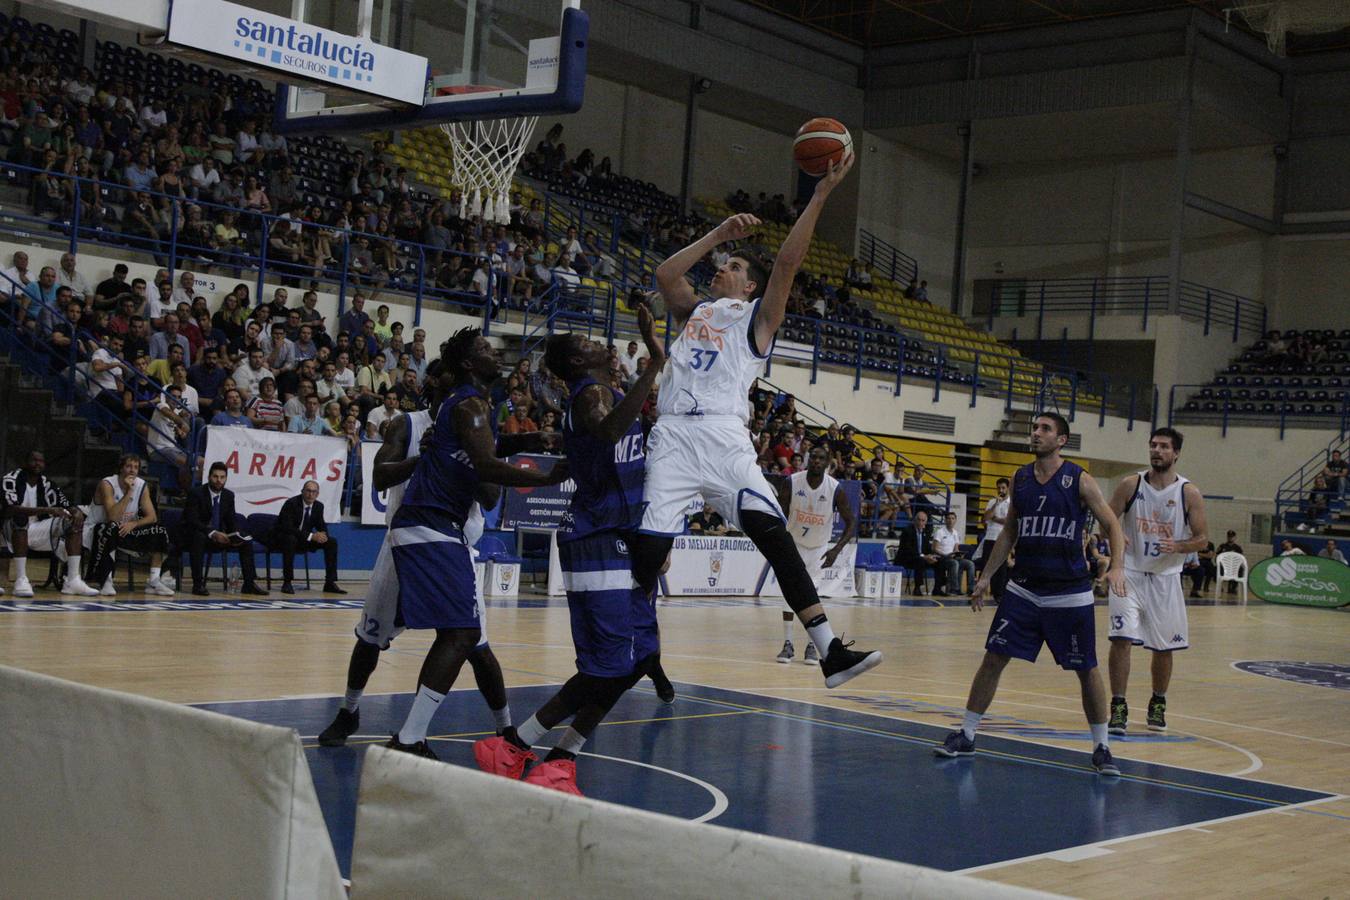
1232, 567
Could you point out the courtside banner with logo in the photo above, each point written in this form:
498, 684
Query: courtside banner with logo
540, 507
376, 502
712, 566
298, 48
267, 468
1302, 581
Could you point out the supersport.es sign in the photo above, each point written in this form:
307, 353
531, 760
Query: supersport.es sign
298, 48
1302, 581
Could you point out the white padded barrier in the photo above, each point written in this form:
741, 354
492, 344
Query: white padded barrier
106, 794
428, 829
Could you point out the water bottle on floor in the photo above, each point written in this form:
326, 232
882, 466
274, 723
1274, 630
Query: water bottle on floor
235, 580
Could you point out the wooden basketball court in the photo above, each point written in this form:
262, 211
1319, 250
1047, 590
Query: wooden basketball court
1258, 730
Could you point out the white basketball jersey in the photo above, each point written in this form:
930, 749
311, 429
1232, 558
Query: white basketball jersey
131, 513
712, 365
1151, 516
418, 423
998, 508
810, 510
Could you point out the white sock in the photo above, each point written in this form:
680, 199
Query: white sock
787, 625
73, 568
530, 731
154, 573
1161, 695
822, 636
571, 741
970, 723
1099, 736
352, 699
502, 717
419, 717
20, 567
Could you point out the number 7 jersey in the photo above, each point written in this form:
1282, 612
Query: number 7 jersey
1151, 516
713, 362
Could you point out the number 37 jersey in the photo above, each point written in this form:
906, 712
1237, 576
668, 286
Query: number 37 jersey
713, 362
1152, 516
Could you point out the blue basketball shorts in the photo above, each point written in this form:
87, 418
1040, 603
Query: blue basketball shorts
613, 620
435, 571
1021, 626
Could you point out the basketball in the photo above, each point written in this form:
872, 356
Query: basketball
820, 142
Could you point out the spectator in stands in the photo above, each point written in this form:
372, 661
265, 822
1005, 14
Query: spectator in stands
127, 520
41, 299
312, 422
707, 522
178, 377
138, 339
1276, 349
922, 292
17, 274
168, 432
161, 341
106, 373
371, 383
1317, 502
295, 402
380, 417
417, 361
1288, 548
947, 546
206, 378
353, 321
282, 356
203, 178
519, 422
1331, 551
250, 373
1335, 472
345, 376
916, 553
232, 413
917, 487
69, 277
265, 410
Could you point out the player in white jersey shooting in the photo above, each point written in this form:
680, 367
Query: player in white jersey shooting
811, 497
1163, 516
700, 444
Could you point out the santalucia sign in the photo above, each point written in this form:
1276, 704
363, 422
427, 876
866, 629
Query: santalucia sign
1302, 581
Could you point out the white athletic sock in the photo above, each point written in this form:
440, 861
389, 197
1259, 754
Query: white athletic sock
970, 723
1161, 695
530, 731
502, 717
571, 741
154, 573
419, 717
822, 636
20, 567
352, 699
1099, 736
788, 619
73, 568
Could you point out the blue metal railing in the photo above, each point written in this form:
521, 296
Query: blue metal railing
1221, 312
1297, 486
886, 260
1280, 404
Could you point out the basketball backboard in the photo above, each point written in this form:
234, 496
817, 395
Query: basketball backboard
480, 59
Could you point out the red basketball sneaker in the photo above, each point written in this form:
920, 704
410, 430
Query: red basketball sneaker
557, 775
498, 756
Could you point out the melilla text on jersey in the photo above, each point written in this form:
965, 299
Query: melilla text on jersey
1047, 527
628, 449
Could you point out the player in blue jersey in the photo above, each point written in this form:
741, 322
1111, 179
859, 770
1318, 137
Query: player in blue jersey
1049, 594
613, 619
431, 557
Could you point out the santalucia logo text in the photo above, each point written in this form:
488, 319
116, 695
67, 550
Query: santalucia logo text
311, 43
1285, 574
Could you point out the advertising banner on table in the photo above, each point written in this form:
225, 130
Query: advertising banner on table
1301, 581
267, 468
375, 502
837, 580
540, 507
712, 566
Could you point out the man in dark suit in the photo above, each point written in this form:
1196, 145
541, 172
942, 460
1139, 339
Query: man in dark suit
209, 522
916, 552
301, 528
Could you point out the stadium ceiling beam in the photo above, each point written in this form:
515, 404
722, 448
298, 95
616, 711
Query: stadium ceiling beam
914, 11
1057, 13
1231, 213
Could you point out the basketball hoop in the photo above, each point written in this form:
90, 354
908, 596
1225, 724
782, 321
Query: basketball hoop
485, 154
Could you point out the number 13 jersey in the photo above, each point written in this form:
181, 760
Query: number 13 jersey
713, 362
1150, 516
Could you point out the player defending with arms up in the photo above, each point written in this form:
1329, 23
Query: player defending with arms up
1049, 597
700, 444
1163, 517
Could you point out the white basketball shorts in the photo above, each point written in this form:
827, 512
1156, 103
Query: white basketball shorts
379, 613
709, 455
1152, 612
45, 536
813, 558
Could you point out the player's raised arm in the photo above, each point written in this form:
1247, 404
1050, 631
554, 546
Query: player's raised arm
1091, 493
773, 306
595, 410
471, 420
675, 288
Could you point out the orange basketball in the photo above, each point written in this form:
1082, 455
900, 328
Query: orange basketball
820, 142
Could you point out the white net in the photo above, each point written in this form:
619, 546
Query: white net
1279, 17
485, 154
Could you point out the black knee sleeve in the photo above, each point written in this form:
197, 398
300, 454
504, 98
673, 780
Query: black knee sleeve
771, 538
649, 552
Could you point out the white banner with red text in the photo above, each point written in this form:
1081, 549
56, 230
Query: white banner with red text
267, 468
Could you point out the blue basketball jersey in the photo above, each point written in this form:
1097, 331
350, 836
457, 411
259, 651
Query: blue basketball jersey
1050, 520
608, 476
444, 479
